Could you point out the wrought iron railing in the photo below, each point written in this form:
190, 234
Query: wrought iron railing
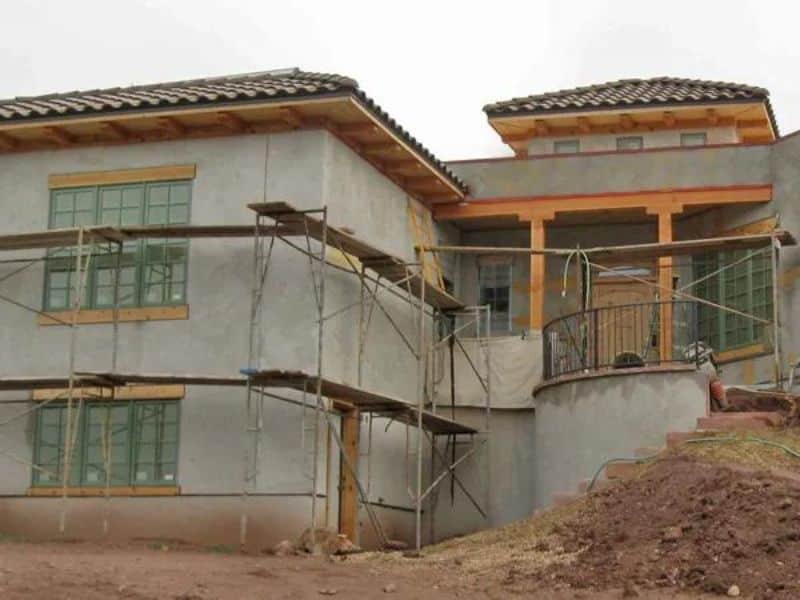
616, 337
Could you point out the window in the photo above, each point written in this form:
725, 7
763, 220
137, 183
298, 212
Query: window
693, 139
142, 436
567, 146
152, 271
632, 142
494, 280
746, 287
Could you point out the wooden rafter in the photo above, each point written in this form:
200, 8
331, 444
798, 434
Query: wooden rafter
231, 122
380, 147
115, 130
58, 135
7, 142
292, 117
172, 126
358, 128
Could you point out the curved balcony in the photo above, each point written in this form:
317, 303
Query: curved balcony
620, 337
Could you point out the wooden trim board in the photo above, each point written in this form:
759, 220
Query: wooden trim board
162, 173
133, 392
94, 492
126, 315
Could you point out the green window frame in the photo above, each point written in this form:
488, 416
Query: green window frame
567, 146
144, 438
153, 272
746, 286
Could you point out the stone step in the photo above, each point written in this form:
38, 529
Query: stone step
739, 421
562, 498
623, 470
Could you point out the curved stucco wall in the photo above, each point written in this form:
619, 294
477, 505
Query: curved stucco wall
582, 423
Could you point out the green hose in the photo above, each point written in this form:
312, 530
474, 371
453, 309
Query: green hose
731, 438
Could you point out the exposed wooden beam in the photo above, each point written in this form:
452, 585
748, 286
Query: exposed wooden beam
171, 125
712, 116
358, 128
292, 116
626, 122
669, 118
752, 123
116, 130
381, 147
541, 127
584, 125
232, 122
7, 142
522, 136
58, 135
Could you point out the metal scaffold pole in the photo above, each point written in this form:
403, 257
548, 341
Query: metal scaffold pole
81, 271
319, 288
421, 355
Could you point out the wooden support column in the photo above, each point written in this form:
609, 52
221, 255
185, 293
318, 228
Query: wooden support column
538, 271
348, 490
665, 278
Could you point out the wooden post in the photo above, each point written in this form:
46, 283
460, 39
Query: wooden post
348, 491
538, 274
665, 279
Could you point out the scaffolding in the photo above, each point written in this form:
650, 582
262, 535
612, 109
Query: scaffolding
378, 273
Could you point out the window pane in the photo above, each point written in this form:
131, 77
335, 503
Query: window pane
634, 142
693, 139
566, 147
495, 290
155, 445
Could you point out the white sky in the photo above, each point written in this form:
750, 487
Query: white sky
431, 64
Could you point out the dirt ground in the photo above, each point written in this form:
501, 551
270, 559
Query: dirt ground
82, 571
692, 525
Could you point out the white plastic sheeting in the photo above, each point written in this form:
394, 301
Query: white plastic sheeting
515, 367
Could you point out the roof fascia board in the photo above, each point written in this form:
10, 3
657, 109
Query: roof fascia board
629, 108
379, 122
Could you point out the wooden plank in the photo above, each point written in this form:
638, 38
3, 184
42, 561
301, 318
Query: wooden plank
126, 315
133, 392
348, 490
151, 490
160, 173
162, 379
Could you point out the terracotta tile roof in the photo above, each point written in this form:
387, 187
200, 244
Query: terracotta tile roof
632, 93
234, 89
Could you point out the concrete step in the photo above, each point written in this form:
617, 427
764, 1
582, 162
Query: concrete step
562, 498
623, 470
739, 421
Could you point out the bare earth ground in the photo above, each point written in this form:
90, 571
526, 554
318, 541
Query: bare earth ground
693, 523
78, 571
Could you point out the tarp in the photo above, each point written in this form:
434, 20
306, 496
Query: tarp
515, 367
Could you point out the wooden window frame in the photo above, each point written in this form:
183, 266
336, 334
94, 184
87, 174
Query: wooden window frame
139, 250
694, 134
78, 480
628, 138
572, 141
510, 266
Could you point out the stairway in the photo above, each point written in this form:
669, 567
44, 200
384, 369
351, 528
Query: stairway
706, 426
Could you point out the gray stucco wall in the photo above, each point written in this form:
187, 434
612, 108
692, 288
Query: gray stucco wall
616, 172
308, 169
581, 424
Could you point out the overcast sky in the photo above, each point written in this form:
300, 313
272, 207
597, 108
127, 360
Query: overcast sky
431, 64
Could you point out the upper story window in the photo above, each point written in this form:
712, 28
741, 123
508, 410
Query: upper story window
694, 139
152, 271
566, 146
630, 142
494, 281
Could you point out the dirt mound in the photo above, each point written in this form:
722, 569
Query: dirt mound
686, 523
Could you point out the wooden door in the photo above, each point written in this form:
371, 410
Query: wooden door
629, 328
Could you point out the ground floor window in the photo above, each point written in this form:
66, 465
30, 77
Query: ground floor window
142, 437
747, 287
